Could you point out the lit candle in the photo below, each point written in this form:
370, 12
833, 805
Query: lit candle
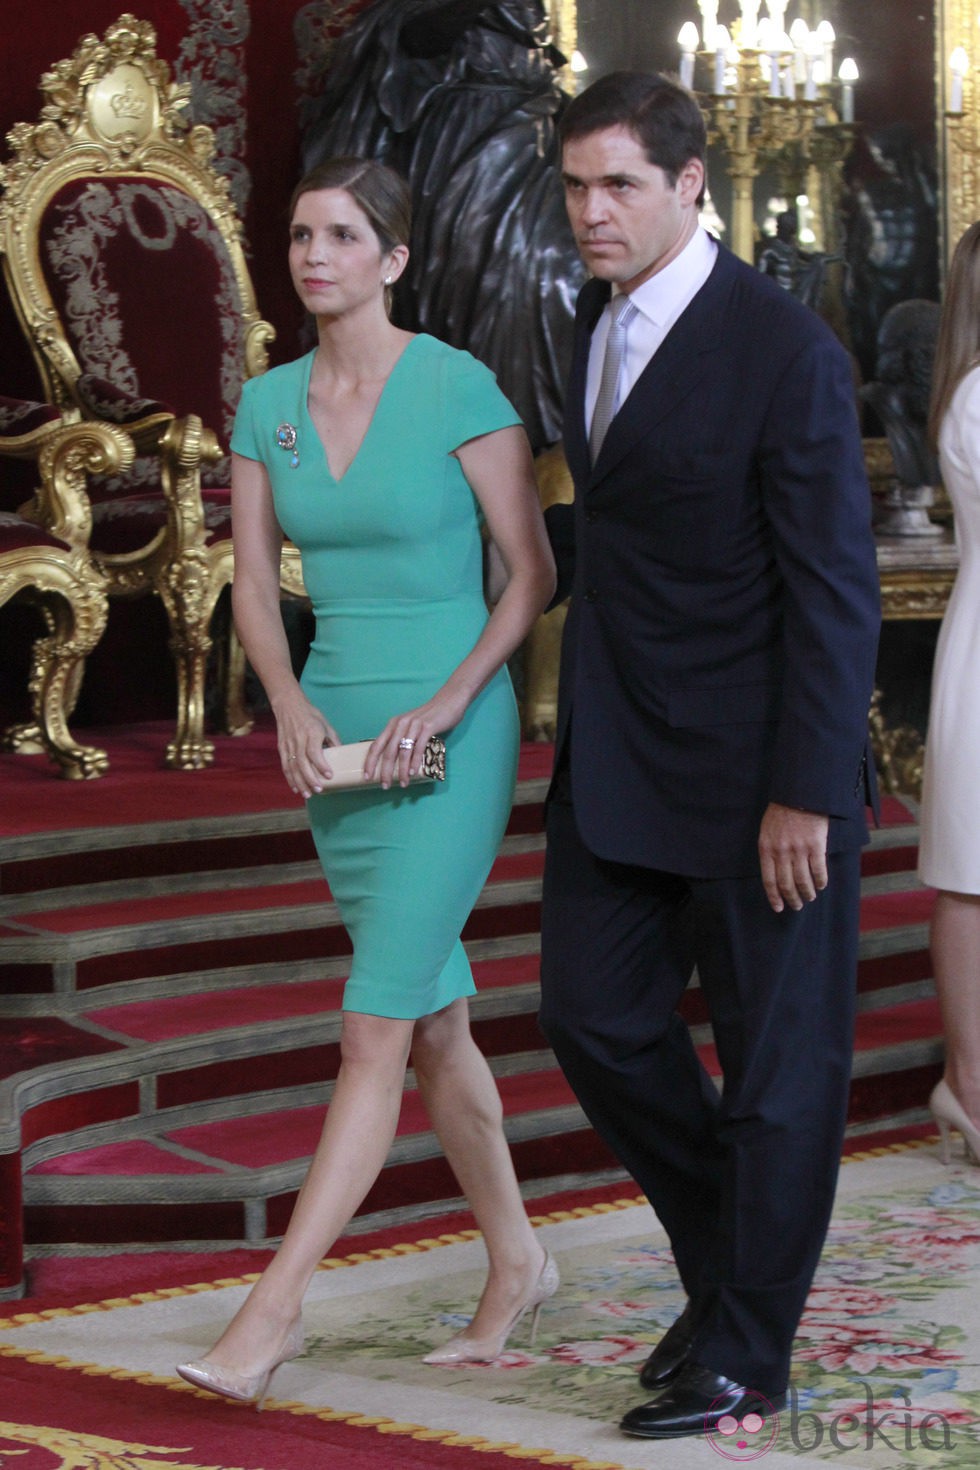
827, 36
750, 16
688, 42
722, 42
709, 22
777, 9
768, 42
848, 76
580, 67
798, 33
959, 65
814, 53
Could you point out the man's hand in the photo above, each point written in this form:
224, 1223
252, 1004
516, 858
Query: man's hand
792, 855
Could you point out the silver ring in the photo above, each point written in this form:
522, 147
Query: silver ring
406, 743
290, 760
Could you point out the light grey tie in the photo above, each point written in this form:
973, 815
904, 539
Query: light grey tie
622, 311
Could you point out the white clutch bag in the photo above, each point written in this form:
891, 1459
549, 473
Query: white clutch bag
347, 764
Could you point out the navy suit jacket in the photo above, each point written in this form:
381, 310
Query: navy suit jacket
720, 645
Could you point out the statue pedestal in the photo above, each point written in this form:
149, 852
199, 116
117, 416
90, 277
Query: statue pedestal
907, 512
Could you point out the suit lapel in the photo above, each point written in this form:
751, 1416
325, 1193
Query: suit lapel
674, 370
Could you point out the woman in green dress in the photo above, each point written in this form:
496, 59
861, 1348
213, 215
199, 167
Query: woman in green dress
381, 454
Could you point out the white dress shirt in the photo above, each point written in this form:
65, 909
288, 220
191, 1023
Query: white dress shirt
659, 302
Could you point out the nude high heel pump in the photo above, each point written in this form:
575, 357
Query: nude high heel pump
243, 1387
463, 1349
948, 1114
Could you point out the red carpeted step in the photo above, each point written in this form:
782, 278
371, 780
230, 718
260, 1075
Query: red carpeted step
132, 1158
135, 939
903, 907
170, 908
42, 1041
261, 1140
892, 1025
194, 1015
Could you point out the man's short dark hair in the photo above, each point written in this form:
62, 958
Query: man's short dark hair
664, 118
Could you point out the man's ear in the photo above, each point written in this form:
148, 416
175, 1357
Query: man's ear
690, 181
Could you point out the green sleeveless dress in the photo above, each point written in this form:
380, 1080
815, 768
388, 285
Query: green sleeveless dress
392, 560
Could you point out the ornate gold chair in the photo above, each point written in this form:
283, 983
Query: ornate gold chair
44, 559
124, 259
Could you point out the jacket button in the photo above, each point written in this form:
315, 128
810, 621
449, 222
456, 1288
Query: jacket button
591, 594
591, 515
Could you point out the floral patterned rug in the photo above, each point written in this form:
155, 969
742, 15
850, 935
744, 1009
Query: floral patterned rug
886, 1370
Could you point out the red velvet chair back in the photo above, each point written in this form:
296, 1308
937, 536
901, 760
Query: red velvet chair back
147, 296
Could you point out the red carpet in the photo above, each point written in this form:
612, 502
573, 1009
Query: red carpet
78, 1421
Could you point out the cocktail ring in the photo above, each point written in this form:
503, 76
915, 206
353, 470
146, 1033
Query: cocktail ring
406, 744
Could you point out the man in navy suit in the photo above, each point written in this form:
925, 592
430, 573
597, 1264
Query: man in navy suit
708, 804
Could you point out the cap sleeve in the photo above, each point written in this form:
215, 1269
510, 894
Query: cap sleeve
244, 439
476, 404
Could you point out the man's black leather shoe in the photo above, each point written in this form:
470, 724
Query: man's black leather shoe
670, 1354
696, 1401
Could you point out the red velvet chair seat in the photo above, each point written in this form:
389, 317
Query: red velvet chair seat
16, 534
103, 400
19, 416
124, 523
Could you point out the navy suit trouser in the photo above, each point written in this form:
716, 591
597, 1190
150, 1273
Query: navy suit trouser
743, 1182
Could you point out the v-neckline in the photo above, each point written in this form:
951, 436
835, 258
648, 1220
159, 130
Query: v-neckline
339, 480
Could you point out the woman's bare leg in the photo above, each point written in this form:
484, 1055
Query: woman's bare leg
464, 1105
357, 1135
955, 943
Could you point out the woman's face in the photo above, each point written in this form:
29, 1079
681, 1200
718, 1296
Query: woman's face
335, 257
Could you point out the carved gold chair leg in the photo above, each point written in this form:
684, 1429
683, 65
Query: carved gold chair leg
184, 592
23, 739
46, 561
231, 673
58, 663
189, 585
74, 606
190, 749
28, 738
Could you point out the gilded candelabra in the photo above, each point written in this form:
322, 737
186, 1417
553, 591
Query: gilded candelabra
769, 100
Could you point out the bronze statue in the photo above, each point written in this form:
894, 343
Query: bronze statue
462, 98
899, 396
796, 270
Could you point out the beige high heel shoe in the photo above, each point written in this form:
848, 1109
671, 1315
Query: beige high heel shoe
463, 1349
947, 1112
243, 1387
